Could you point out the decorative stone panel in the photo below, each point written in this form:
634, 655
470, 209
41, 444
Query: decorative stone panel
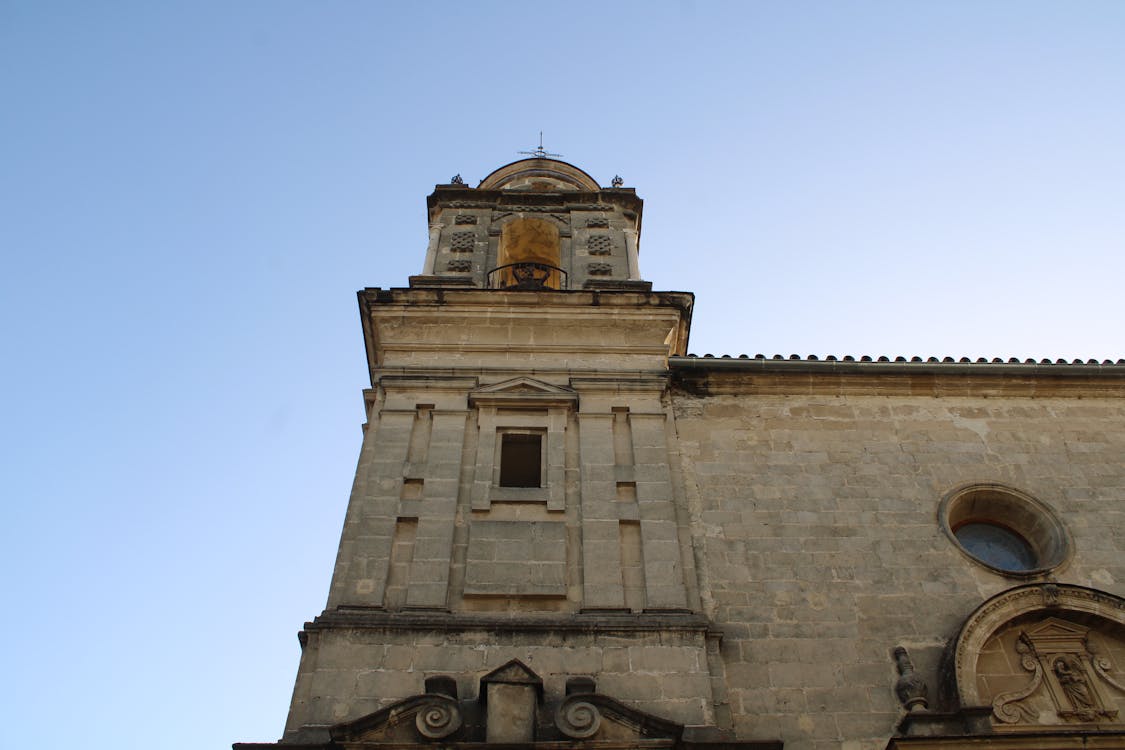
460, 264
597, 222
599, 244
462, 242
465, 219
599, 269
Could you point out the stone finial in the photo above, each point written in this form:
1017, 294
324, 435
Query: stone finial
910, 688
617, 181
456, 180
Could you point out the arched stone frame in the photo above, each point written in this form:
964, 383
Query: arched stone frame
1051, 600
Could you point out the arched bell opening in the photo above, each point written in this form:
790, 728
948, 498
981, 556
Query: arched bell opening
528, 257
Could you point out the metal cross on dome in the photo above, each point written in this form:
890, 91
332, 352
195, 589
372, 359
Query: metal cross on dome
539, 153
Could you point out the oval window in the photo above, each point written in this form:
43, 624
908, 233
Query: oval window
1004, 529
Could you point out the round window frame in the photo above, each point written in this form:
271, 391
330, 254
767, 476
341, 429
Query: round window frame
999, 505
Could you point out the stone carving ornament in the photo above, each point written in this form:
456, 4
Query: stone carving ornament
599, 244
1021, 602
439, 718
577, 718
462, 242
1057, 653
910, 688
1101, 664
1009, 707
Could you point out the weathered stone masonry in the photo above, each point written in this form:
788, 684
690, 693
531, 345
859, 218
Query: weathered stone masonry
565, 531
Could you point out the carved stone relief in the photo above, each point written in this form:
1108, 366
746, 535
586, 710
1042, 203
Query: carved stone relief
599, 244
439, 718
506, 710
462, 242
599, 269
1065, 681
460, 264
597, 222
465, 219
910, 688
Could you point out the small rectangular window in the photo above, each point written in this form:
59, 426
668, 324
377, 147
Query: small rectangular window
521, 457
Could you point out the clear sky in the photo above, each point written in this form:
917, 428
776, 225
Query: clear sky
191, 193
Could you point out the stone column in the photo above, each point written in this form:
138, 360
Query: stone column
431, 250
601, 536
365, 544
433, 545
664, 574
631, 254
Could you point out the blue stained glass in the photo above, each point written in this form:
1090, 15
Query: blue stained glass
996, 545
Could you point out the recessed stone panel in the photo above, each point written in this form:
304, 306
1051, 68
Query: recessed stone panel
516, 558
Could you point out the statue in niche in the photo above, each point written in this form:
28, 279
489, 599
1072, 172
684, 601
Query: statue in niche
1072, 679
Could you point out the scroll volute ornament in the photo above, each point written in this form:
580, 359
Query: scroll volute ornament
578, 718
439, 718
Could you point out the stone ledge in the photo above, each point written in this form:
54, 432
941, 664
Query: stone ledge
585, 623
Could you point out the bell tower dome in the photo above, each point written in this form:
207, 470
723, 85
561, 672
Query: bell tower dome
533, 224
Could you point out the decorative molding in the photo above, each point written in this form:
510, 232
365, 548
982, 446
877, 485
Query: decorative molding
467, 204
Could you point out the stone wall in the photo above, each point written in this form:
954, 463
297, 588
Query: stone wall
815, 519
348, 671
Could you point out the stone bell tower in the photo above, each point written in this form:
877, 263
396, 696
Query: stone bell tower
516, 563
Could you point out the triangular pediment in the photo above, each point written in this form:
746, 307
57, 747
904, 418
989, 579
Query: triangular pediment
523, 384
523, 390
514, 672
1054, 628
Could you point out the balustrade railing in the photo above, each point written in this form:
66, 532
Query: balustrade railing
529, 276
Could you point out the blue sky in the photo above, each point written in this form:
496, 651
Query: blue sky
191, 193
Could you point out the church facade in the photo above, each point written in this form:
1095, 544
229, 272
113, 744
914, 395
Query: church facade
565, 531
